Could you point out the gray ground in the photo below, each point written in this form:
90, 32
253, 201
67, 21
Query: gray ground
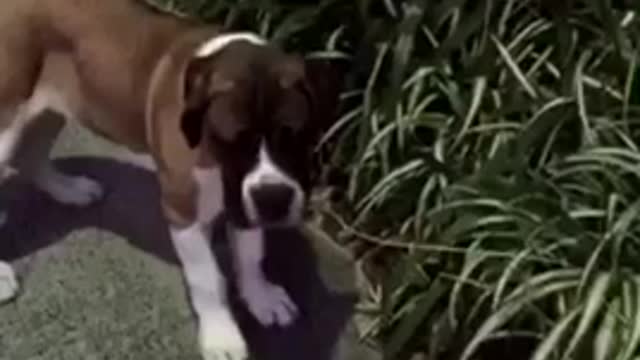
103, 283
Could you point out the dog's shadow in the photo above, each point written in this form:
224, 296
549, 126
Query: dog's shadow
131, 210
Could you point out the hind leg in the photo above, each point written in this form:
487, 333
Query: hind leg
20, 66
33, 163
9, 138
25, 143
32, 113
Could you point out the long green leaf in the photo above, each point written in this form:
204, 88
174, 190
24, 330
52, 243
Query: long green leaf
509, 310
551, 343
407, 328
606, 337
593, 304
633, 343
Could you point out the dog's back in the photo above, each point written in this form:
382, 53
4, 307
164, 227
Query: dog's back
97, 55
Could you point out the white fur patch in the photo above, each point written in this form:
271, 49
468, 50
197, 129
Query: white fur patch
8, 282
141, 160
42, 99
66, 189
220, 337
199, 265
47, 98
219, 42
267, 172
210, 192
269, 303
8, 142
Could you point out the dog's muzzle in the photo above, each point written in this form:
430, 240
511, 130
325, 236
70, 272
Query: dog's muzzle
273, 202
270, 196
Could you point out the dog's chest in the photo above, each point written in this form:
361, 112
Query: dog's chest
209, 201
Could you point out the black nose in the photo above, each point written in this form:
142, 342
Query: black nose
272, 201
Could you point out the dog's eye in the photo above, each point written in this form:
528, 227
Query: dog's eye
247, 138
243, 138
285, 135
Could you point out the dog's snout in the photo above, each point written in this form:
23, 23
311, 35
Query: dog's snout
272, 201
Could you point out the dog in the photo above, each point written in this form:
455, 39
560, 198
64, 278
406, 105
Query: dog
228, 120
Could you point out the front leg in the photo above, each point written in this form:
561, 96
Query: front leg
219, 335
269, 303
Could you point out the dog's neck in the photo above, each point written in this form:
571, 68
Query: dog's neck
219, 42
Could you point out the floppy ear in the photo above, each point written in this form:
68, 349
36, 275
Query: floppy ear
324, 82
201, 83
176, 92
195, 84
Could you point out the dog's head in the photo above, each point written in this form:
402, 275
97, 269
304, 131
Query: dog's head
258, 112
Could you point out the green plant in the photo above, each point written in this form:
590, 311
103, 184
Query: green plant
490, 168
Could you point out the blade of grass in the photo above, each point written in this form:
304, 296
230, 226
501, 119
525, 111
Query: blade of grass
603, 347
407, 328
551, 342
593, 304
587, 132
506, 313
515, 69
633, 342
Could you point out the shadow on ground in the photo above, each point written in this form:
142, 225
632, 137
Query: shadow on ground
131, 211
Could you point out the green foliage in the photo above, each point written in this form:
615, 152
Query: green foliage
488, 167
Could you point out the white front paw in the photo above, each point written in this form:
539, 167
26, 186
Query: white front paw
221, 339
269, 303
8, 282
72, 190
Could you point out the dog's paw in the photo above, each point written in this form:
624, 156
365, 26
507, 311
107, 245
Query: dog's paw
269, 303
8, 282
74, 190
221, 339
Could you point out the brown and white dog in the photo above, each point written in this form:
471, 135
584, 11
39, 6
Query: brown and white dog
228, 120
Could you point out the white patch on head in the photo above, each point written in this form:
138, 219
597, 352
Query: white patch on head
266, 172
219, 42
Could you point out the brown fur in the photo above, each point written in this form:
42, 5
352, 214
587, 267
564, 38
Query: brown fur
211, 122
123, 69
101, 55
